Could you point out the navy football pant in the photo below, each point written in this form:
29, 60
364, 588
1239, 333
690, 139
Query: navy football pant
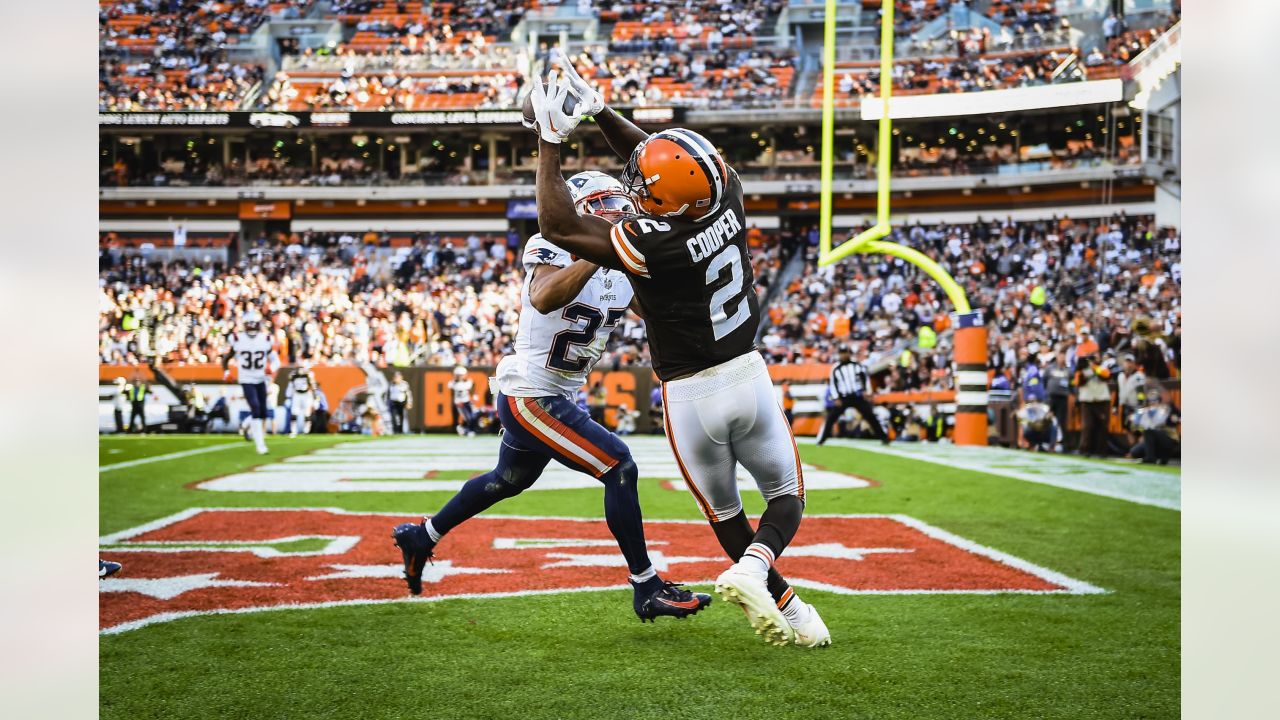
539, 430
256, 395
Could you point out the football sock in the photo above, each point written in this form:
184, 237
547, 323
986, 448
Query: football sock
432, 532
757, 558
255, 431
793, 609
735, 534
647, 580
622, 514
779, 524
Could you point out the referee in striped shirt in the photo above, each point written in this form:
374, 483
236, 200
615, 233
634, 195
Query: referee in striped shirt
849, 385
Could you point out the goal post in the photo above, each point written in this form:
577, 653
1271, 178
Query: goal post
970, 361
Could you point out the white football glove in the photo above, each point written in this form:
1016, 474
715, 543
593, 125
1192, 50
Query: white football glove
553, 123
592, 100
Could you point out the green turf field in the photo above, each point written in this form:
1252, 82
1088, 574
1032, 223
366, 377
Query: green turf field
584, 655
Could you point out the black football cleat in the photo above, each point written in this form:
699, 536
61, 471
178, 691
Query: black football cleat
106, 568
669, 599
416, 547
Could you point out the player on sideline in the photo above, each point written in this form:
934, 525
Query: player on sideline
687, 259
256, 358
569, 307
302, 400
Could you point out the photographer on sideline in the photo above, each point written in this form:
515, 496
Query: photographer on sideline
1158, 423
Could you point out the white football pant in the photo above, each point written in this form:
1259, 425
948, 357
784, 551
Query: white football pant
725, 415
301, 409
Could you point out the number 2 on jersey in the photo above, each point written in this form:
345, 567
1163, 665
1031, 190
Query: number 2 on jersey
722, 323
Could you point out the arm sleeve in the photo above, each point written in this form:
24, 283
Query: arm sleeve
627, 245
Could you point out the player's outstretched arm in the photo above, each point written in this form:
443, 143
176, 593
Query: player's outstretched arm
586, 236
551, 288
622, 135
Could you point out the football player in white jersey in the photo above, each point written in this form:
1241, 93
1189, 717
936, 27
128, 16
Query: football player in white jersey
462, 389
302, 387
568, 309
255, 356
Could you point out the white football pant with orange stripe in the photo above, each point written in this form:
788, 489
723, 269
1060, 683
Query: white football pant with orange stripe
725, 415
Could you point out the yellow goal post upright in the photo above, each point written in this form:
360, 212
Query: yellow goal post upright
970, 362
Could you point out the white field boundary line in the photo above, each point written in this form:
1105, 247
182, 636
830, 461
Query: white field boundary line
336, 545
1065, 484
1070, 586
169, 456
1075, 587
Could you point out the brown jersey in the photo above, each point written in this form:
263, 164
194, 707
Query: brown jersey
694, 283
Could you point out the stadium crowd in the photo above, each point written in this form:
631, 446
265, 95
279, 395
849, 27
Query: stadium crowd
1051, 292
430, 55
951, 75
392, 91
1071, 306
399, 18
340, 297
330, 298
154, 57
714, 78
677, 25
171, 54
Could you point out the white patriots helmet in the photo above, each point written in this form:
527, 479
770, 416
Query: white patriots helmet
595, 193
252, 321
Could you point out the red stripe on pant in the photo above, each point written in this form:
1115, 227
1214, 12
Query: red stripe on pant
532, 406
569, 433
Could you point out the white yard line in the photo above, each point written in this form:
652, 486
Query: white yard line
169, 456
1130, 483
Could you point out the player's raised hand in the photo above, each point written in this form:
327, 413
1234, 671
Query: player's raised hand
592, 100
553, 123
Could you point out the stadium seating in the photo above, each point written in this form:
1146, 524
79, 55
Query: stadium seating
715, 56
172, 55
737, 78
992, 71
424, 90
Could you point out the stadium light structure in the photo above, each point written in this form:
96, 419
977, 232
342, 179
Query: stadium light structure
970, 361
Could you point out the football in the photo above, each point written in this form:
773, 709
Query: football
530, 120
527, 109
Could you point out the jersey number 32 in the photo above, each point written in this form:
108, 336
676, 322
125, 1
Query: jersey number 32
253, 359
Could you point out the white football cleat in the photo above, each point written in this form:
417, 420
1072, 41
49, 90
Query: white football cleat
748, 590
812, 632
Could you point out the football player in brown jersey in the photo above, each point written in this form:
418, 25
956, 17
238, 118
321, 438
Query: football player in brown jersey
686, 257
